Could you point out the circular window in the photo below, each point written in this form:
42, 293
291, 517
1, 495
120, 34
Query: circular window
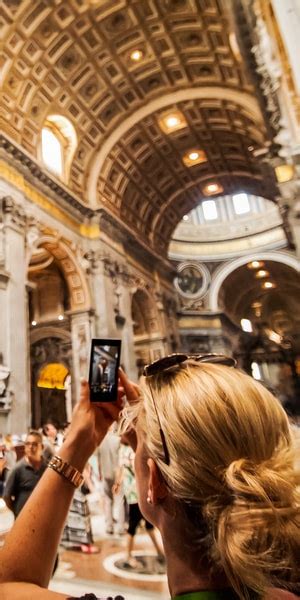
192, 280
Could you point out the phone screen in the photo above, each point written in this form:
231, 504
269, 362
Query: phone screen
103, 375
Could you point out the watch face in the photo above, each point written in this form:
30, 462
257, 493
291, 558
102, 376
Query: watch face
190, 280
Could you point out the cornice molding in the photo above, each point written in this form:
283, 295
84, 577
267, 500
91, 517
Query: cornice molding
30, 168
108, 223
116, 229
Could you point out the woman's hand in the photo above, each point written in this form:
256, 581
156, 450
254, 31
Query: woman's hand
116, 488
132, 390
132, 393
91, 421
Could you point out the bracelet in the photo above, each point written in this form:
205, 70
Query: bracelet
67, 471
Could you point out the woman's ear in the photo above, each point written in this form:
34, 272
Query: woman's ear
157, 489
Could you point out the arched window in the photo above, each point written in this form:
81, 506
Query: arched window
58, 144
52, 152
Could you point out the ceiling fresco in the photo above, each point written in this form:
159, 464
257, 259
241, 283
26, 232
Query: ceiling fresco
115, 69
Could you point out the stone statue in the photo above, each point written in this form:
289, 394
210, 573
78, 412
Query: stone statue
4, 375
267, 53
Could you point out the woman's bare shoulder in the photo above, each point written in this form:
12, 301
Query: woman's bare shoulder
277, 594
27, 591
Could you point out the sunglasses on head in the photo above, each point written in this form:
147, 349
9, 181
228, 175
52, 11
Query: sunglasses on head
176, 360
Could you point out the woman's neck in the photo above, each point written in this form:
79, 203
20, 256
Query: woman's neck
187, 573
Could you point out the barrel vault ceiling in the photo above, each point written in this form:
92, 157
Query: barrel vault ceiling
243, 295
74, 58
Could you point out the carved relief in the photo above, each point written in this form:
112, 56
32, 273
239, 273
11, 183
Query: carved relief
269, 69
12, 213
117, 271
186, 304
81, 333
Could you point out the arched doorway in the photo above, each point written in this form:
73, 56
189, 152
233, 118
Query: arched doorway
261, 300
51, 367
51, 252
222, 273
57, 294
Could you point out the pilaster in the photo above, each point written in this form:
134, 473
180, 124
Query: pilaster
126, 331
13, 312
111, 282
103, 288
289, 205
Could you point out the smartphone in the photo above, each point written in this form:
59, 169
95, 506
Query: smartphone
103, 374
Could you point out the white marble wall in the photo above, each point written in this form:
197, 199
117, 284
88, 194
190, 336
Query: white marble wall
110, 283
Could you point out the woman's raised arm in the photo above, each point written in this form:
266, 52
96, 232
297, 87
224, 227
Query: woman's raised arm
30, 547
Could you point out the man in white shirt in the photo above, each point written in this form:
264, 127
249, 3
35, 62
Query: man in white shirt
108, 461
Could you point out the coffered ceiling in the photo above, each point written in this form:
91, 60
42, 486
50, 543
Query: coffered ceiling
74, 58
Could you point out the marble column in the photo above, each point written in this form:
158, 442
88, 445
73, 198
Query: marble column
128, 357
167, 312
13, 314
112, 304
103, 293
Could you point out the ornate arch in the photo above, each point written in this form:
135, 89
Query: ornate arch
224, 270
80, 298
46, 332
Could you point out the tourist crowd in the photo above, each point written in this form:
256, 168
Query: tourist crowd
108, 476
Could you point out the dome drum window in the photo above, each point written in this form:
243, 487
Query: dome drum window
241, 203
210, 210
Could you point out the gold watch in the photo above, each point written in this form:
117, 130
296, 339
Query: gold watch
67, 471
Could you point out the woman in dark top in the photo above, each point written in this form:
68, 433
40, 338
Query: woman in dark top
3, 469
215, 468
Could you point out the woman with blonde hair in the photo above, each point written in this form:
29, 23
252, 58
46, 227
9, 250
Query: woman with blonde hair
215, 469
222, 482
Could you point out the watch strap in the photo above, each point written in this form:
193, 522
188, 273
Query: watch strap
66, 470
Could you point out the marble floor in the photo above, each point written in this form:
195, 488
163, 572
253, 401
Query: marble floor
103, 573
